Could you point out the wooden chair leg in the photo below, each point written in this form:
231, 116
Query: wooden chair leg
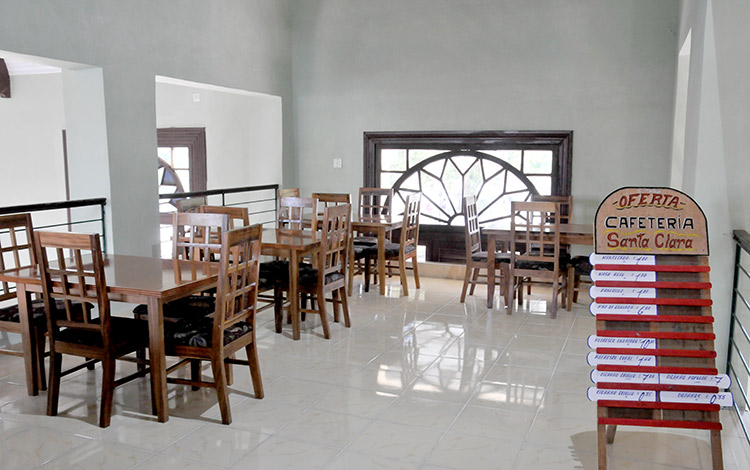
141, 356
53, 394
571, 286
402, 275
555, 293
345, 309
41, 341
415, 266
576, 285
252, 359
195, 372
222, 392
323, 313
336, 305
278, 309
108, 390
367, 274
474, 278
467, 279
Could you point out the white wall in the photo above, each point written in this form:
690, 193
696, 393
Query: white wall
32, 148
243, 44
604, 69
243, 131
716, 167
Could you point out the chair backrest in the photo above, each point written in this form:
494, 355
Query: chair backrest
410, 226
288, 192
192, 204
72, 270
536, 233
471, 229
375, 203
332, 199
202, 237
237, 288
235, 214
16, 247
335, 241
296, 213
565, 203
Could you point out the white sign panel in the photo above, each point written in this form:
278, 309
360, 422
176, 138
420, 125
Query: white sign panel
622, 309
625, 276
646, 260
632, 343
595, 359
624, 377
622, 292
594, 394
721, 399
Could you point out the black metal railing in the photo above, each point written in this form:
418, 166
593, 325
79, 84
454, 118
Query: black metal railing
739, 338
77, 213
259, 200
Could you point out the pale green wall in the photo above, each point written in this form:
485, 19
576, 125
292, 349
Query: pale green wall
604, 69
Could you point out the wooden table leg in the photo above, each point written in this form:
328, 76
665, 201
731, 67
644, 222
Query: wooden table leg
28, 341
293, 294
157, 359
381, 259
490, 270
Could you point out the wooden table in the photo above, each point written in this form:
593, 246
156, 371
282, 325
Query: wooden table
291, 244
570, 234
133, 279
381, 226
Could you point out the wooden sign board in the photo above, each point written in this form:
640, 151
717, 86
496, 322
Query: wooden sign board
653, 221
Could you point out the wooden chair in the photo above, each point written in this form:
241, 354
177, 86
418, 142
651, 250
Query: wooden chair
535, 249
232, 326
297, 213
476, 258
406, 248
329, 275
373, 203
17, 252
192, 204
565, 211
237, 216
288, 192
75, 281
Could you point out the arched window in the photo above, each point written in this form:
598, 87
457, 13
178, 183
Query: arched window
496, 167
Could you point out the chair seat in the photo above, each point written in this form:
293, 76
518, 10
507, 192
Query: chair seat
194, 306
127, 333
12, 314
581, 264
308, 277
361, 251
368, 241
199, 332
481, 257
391, 250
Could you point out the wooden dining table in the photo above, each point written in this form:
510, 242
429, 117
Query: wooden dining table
570, 234
132, 279
380, 226
292, 245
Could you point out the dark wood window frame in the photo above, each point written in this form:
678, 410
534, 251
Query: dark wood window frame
195, 139
444, 243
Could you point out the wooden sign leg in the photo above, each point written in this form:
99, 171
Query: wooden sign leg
611, 429
601, 438
717, 458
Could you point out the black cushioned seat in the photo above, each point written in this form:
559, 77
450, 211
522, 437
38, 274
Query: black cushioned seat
365, 240
481, 256
124, 332
11, 312
199, 332
391, 250
581, 264
193, 306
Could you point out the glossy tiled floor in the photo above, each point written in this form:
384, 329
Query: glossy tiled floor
422, 382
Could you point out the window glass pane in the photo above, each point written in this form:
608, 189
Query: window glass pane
473, 181
511, 156
181, 156
184, 176
537, 161
454, 183
165, 153
464, 163
388, 179
393, 160
543, 184
418, 155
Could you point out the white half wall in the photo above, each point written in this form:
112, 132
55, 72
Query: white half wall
604, 70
